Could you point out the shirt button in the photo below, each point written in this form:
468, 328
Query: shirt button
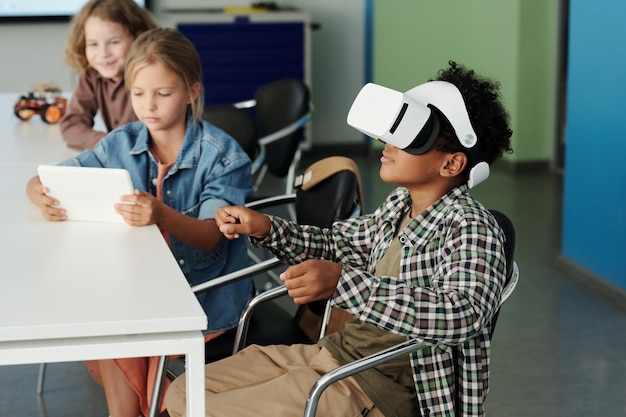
169, 192
181, 262
420, 367
402, 239
154, 181
426, 412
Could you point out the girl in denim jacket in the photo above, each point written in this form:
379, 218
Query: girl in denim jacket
183, 169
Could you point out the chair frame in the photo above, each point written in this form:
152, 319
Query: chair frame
377, 358
258, 167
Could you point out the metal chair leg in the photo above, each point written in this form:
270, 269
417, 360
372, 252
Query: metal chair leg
157, 393
42, 374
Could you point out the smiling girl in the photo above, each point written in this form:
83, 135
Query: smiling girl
100, 37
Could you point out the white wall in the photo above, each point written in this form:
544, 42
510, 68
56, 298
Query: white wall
338, 59
33, 52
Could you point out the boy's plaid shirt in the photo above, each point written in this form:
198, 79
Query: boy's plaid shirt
453, 271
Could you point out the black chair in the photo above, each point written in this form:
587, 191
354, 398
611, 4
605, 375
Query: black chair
238, 123
335, 181
512, 276
281, 110
319, 183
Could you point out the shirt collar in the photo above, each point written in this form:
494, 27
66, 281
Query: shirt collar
114, 84
440, 207
189, 151
400, 201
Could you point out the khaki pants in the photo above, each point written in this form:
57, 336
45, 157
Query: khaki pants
273, 381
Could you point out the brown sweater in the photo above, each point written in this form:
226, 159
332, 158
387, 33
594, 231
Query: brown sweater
95, 94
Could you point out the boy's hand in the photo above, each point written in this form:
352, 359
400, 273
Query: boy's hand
311, 280
239, 220
144, 209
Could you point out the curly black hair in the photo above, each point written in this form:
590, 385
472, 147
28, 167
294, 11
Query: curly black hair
486, 112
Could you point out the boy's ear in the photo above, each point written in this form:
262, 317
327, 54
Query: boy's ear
454, 165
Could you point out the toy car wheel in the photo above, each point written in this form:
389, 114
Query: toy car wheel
24, 113
50, 113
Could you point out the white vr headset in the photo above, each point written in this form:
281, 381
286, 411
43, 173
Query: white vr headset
410, 121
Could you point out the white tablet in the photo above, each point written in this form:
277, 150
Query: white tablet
88, 194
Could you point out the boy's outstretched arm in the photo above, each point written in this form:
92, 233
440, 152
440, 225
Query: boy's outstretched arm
239, 220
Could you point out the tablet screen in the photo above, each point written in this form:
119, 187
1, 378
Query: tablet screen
88, 194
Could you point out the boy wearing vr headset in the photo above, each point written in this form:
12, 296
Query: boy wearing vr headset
428, 264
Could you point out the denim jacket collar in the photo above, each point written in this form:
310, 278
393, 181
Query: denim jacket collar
190, 150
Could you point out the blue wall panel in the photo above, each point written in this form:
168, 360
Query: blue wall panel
594, 203
239, 57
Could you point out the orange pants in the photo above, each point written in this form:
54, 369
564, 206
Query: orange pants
140, 373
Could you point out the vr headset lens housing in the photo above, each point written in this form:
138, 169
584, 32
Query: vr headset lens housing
394, 118
410, 121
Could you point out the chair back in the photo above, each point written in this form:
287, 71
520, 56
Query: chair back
509, 252
278, 104
509, 233
238, 123
329, 190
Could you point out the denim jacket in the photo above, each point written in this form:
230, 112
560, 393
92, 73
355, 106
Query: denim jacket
211, 171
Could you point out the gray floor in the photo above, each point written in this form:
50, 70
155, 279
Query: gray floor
559, 349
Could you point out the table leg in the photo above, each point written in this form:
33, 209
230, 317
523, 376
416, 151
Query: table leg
194, 364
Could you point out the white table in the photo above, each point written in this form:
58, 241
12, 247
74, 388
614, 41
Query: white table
72, 291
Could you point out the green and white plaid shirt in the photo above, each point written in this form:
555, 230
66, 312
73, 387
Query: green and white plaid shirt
452, 274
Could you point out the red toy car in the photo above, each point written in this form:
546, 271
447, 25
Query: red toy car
45, 100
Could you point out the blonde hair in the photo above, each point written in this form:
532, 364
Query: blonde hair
171, 49
127, 13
